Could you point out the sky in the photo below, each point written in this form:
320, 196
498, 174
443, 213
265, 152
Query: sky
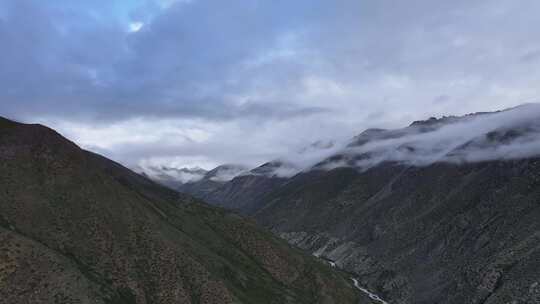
185, 83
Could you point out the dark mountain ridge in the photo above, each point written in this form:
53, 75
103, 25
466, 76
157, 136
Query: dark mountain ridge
76, 227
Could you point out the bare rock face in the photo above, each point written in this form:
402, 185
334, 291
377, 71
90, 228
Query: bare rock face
78, 228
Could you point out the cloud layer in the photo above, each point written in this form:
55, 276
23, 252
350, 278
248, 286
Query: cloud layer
201, 82
510, 134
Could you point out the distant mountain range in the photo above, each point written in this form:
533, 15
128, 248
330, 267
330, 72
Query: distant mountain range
76, 227
170, 176
445, 210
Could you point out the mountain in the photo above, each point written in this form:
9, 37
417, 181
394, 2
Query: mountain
443, 233
211, 181
245, 191
76, 227
242, 192
171, 177
445, 210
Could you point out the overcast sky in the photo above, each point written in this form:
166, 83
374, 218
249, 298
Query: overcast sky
205, 82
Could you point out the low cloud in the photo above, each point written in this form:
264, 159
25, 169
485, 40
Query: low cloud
225, 173
504, 135
509, 134
297, 161
173, 176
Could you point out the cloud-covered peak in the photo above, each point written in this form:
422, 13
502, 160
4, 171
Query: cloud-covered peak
225, 173
173, 176
503, 135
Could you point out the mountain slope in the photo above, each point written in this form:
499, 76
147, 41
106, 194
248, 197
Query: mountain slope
78, 228
442, 211
244, 192
452, 217
444, 233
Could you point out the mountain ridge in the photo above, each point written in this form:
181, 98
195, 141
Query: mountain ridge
76, 227
416, 218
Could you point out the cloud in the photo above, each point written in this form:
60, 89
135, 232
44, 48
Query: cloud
510, 134
260, 78
226, 173
172, 176
135, 26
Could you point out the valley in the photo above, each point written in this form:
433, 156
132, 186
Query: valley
413, 228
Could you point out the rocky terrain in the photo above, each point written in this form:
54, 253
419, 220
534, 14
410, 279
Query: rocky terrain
78, 228
440, 234
442, 211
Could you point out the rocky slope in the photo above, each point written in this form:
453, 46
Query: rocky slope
445, 233
78, 228
442, 211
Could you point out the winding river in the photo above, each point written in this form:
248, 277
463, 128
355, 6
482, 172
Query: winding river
371, 295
